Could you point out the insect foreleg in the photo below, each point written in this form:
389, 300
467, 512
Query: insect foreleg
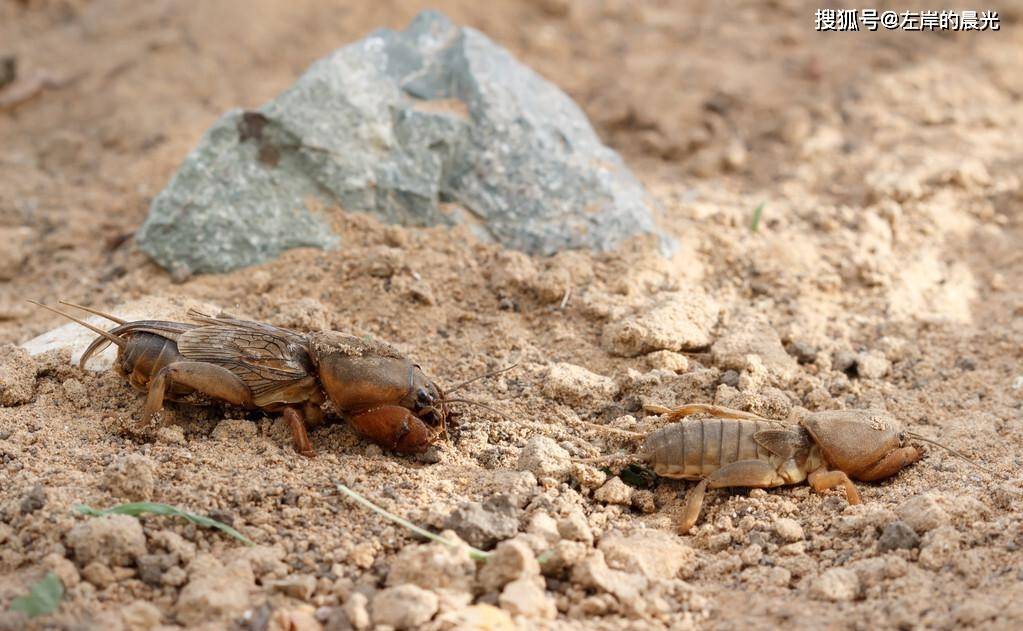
296, 421
822, 480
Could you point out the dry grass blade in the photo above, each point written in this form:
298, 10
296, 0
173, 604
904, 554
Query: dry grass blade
135, 509
474, 553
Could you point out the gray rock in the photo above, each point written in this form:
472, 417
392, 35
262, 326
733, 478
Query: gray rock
396, 125
483, 525
898, 535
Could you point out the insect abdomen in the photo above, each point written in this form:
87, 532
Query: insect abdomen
693, 449
145, 355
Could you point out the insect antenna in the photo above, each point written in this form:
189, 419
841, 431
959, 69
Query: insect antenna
95, 329
483, 376
603, 459
611, 430
953, 452
94, 312
477, 403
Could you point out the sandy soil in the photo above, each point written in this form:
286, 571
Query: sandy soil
887, 261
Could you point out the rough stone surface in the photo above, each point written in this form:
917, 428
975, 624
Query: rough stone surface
837, 585
17, 376
576, 385
132, 478
679, 321
398, 124
652, 553
111, 540
544, 458
523, 597
403, 607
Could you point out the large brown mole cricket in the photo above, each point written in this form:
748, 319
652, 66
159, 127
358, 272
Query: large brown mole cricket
384, 396
828, 449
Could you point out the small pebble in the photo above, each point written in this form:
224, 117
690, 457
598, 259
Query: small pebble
788, 530
898, 535
357, 611
403, 607
544, 458
837, 585
922, 513
614, 491
525, 598
575, 527
33, 500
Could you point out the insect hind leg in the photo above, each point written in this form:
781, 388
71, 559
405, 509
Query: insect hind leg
209, 379
749, 473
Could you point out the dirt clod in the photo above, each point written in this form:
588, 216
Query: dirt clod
403, 606
357, 611
512, 561
652, 553
674, 322
575, 385
922, 513
17, 376
898, 535
788, 530
524, 597
433, 566
213, 591
483, 525
544, 458
131, 478
836, 585
110, 540
749, 334
140, 616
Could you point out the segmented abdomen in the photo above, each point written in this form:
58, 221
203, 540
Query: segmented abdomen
693, 449
145, 355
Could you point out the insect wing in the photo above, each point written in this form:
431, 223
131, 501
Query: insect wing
269, 360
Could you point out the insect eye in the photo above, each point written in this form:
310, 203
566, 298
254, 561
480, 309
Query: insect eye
902, 438
423, 397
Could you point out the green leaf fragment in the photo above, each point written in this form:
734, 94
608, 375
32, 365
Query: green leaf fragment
134, 509
43, 598
759, 210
